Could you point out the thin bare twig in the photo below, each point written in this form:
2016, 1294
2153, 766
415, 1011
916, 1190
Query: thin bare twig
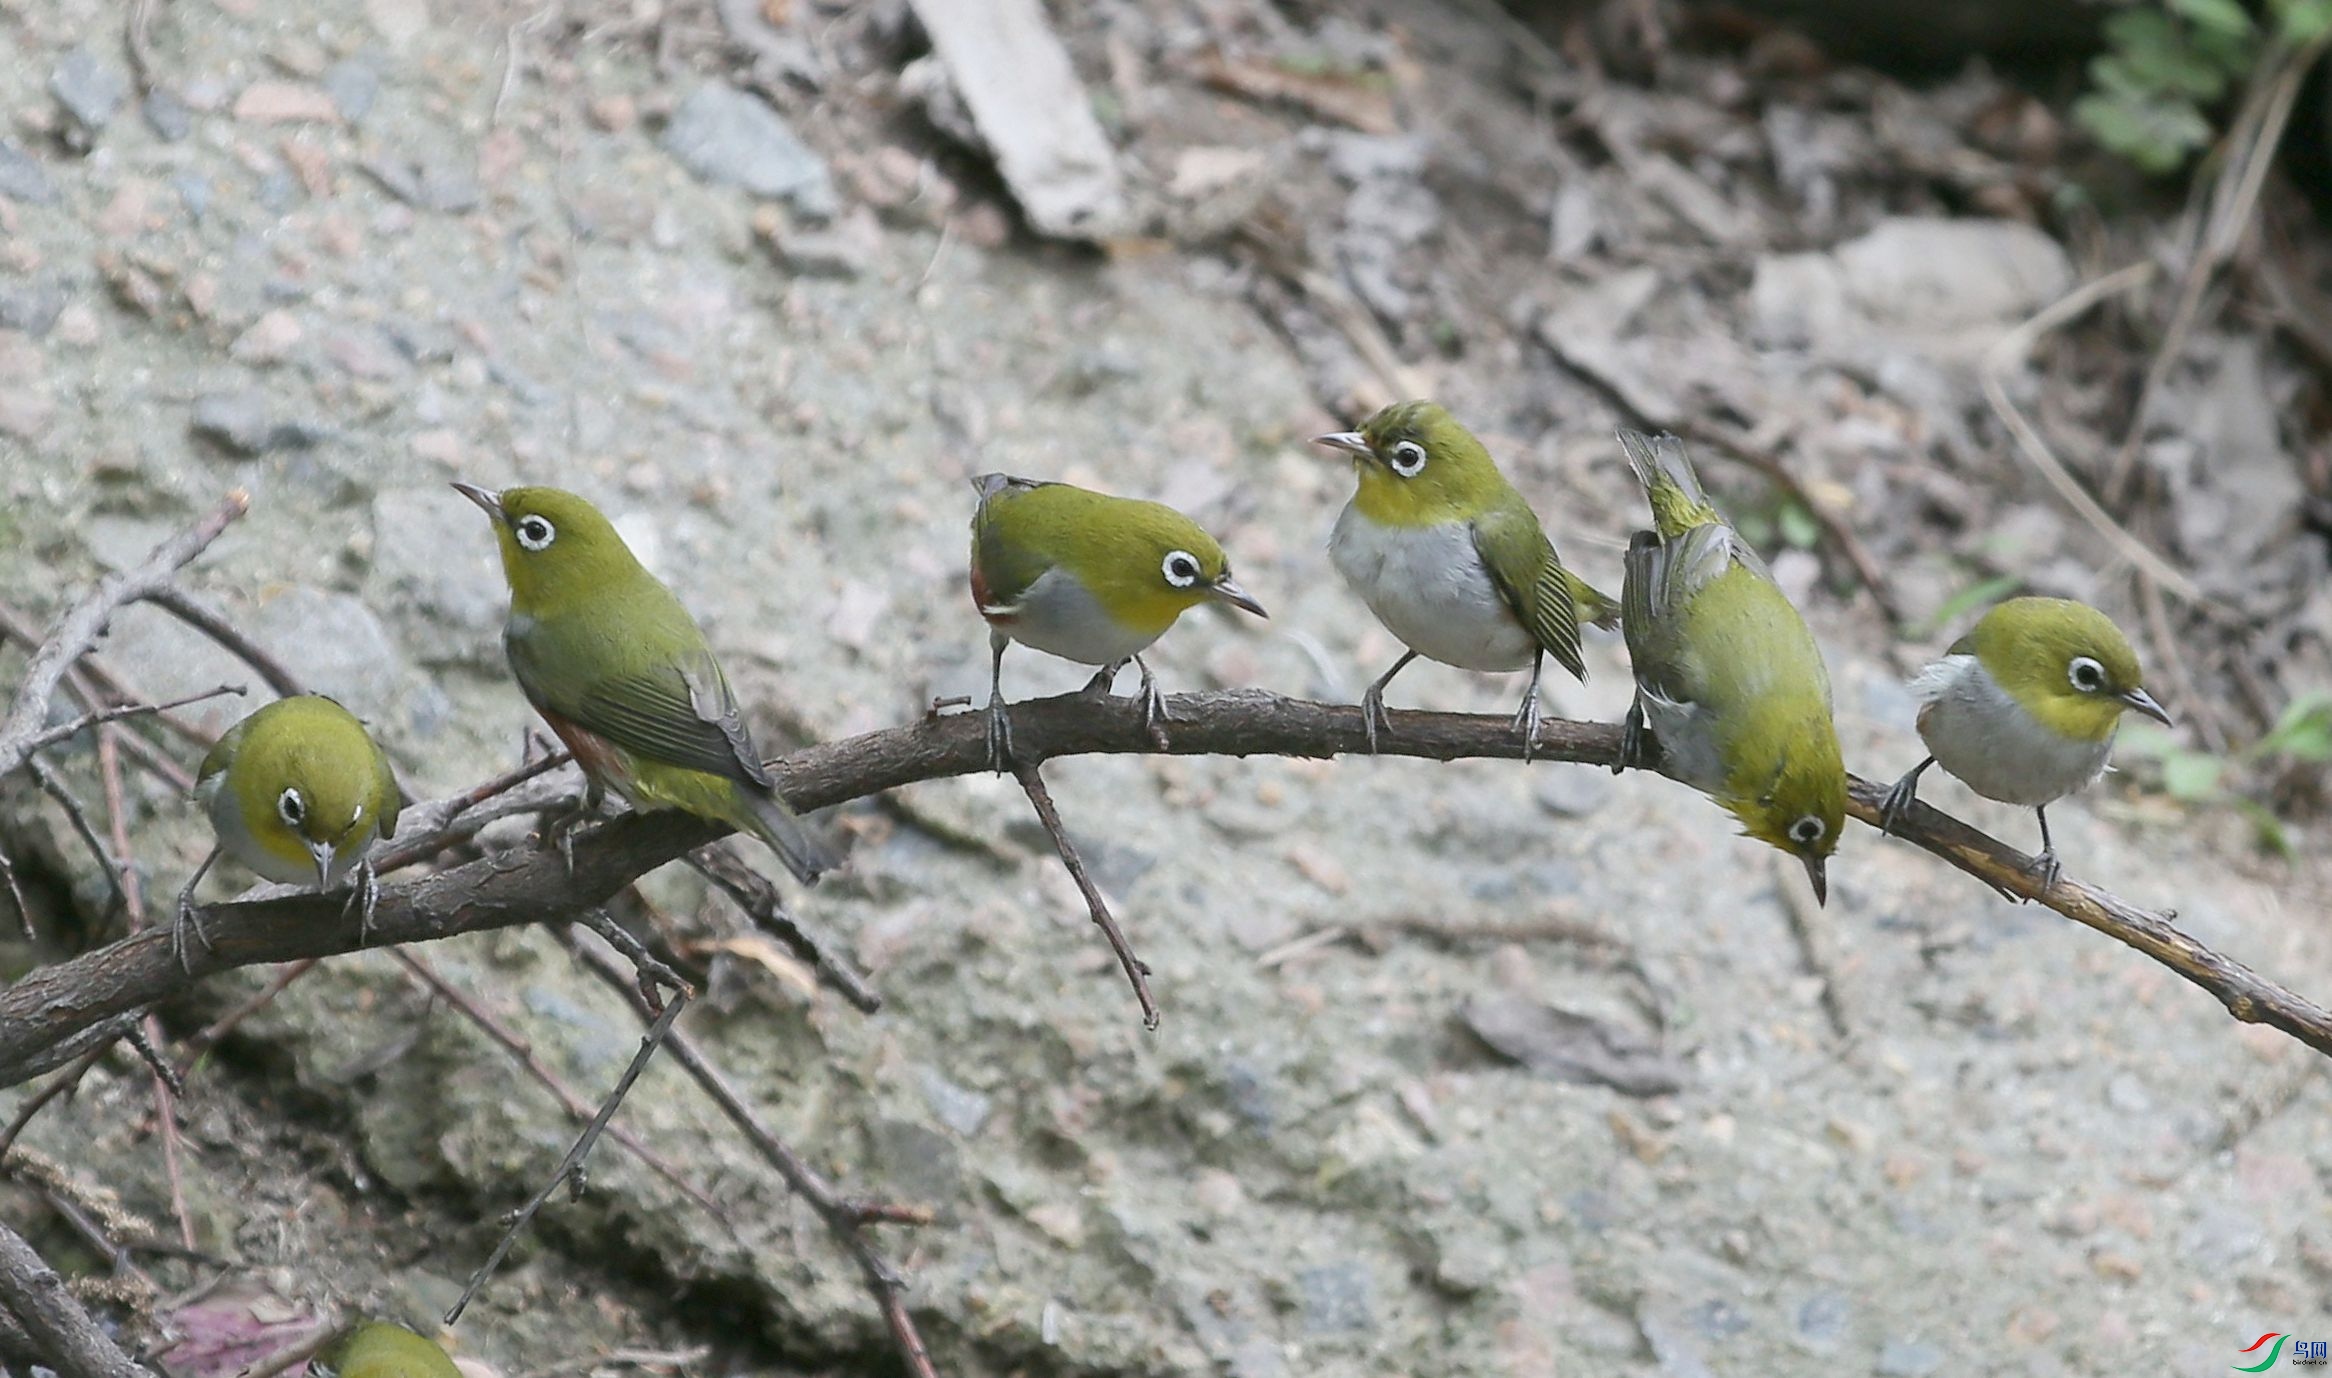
56, 789
769, 912
844, 1217
39, 1100
199, 614
522, 1052
571, 1167
67, 1339
16, 894
1136, 970
76, 631
124, 710
227, 1023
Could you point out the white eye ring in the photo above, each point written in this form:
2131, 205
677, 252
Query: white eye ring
1408, 459
291, 808
534, 532
2086, 674
1180, 568
1806, 831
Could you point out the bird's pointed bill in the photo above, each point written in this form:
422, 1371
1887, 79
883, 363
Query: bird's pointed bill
2144, 703
1351, 442
486, 498
1229, 591
322, 852
1817, 871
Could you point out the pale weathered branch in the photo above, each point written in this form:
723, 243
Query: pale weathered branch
533, 885
54, 1325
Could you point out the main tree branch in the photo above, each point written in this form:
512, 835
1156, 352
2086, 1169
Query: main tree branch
533, 885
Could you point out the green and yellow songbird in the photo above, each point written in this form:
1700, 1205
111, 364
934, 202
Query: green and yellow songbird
622, 673
377, 1349
1087, 577
1452, 560
1731, 694
295, 792
2024, 709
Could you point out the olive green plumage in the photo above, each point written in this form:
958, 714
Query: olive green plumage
295, 792
618, 668
1730, 686
1451, 558
377, 1349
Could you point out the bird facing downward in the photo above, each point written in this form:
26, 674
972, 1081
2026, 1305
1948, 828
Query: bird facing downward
295, 792
1087, 577
2024, 709
622, 673
1452, 560
1731, 694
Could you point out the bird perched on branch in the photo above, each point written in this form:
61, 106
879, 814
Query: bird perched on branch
1731, 694
297, 791
2024, 709
1452, 560
622, 673
1087, 577
377, 1349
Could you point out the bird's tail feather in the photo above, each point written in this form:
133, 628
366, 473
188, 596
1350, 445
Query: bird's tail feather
767, 818
1679, 503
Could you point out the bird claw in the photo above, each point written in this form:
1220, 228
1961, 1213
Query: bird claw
1526, 721
1899, 798
1154, 712
2045, 869
364, 896
1632, 749
999, 736
188, 920
1373, 715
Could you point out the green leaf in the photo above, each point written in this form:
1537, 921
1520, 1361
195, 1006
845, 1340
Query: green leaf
1798, 526
2303, 732
2218, 16
2191, 776
2303, 21
1974, 596
2268, 828
2155, 134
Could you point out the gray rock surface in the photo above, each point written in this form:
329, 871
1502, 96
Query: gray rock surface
728, 136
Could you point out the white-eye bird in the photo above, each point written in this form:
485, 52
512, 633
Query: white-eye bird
2024, 708
296, 792
1452, 560
1730, 688
1087, 577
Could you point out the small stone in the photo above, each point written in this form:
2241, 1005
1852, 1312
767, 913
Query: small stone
1573, 791
398, 22
958, 1107
1336, 1300
614, 113
2128, 1094
268, 340
727, 136
31, 306
428, 186
1908, 1359
437, 446
1822, 1322
285, 102
353, 85
167, 115
22, 178
89, 90
242, 423
25, 412
77, 325
194, 193
845, 249
340, 646
363, 352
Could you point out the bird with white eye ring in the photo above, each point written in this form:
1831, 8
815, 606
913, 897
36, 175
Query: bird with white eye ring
1087, 577
297, 791
2024, 709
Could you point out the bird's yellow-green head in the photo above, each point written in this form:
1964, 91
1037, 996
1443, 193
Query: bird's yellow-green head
2065, 662
1418, 466
377, 1349
558, 551
1801, 806
307, 782
1143, 561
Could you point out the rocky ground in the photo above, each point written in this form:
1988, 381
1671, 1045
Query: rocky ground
735, 282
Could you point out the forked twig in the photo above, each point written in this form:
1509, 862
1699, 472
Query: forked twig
766, 907
1136, 970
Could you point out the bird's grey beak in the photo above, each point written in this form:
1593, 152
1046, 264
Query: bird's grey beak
486, 498
1351, 442
2144, 703
1817, 871
1227, 589
322, 852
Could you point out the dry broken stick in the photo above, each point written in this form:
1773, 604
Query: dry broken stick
54, 1324
762, 903
1136, 970
76, 631
845, 1217
570, 1168
47, 1009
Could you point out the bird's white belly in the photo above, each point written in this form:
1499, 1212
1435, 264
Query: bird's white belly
1057, 616
1429, 587
241, 844
1982, 735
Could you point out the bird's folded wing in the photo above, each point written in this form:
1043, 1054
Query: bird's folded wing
681, 714
222, 752
1527, 574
